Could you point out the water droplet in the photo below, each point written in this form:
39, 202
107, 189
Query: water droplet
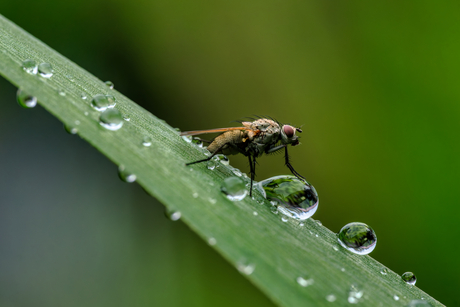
212, 201
409, 278
45, 70
70, 129
301, 224
187, 138
237, 172
255, 213
112, 101
319, 223
173, 215
418, 303
100, 102
293, 197
111, 119
212, 164
284, 219
212, 241
234, 188
86, 113
354, 295
395, 297
197, 142
305, 282
316, 235
335, 248
147, 141
109, 84
331, 298
25, 100
222, 159
274, 210
195, 195
126, 118
358, 238
384, 271
77, 122
342, 269
125, 175
246, 269
30, 67
83, 96
61, 92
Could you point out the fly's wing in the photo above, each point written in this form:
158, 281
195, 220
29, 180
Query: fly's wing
217, 130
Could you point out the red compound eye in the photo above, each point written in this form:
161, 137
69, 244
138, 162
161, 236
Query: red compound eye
288, 130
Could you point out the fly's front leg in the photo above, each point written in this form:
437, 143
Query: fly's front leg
208, 158
288, 164
252, 167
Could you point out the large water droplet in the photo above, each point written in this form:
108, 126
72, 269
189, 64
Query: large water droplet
357, 238
100, 102
173, 215
234, 188
409, 278
354, 295
111, 119
293, 197
25, 100
125, 175
45, 70
109, 84
305, 282
418, 303
30, 67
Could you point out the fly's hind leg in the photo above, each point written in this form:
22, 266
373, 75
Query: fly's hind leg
208, 158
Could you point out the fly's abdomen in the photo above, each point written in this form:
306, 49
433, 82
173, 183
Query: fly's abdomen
230, 141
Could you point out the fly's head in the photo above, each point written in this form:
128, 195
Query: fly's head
288, 135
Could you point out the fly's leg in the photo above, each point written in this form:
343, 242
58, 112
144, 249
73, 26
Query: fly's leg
252, 167
208, 158
288, 164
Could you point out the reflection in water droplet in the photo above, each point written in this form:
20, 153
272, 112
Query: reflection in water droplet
305, 282
100, 102
45, 70
234, 188
395, 297
409, 278
294, 198
25, 100
125, 175
212, 241
173, 215
30, 67
384, 271
354, 295
70, 129
111, 119
109, 84
358, 238
147, 141
246, 269
331, 298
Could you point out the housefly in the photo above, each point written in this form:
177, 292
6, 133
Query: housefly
261, 136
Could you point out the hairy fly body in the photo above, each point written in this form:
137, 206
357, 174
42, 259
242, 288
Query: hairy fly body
262, 136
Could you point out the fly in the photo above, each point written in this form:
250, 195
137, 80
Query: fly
262, 136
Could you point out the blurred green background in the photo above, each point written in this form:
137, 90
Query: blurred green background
375, 86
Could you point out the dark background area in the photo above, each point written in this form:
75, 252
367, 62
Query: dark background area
375, 86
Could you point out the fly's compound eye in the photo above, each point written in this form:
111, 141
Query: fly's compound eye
288, 131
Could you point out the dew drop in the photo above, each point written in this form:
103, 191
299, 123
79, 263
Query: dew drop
70, 129
195, 195
147, 141
293, 197
126, 118
409, 278
222, 159
187, 138
335, 248
212, 164
319, 223
358, 238
111, 119
246, 269
305, 282
255, 213
25, 100
30, 66
284, 219
354, 295
301, 224
100, 102
61, 93
112, 101
86, 113
331, 298
237, 172
212, 241
125, 175
212, 201
197, 142
109, 84
395, 297
384, 271
83, 96
418, 303
234, 188
45, 70
173, 215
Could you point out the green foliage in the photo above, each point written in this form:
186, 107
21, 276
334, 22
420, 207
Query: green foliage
273, 254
